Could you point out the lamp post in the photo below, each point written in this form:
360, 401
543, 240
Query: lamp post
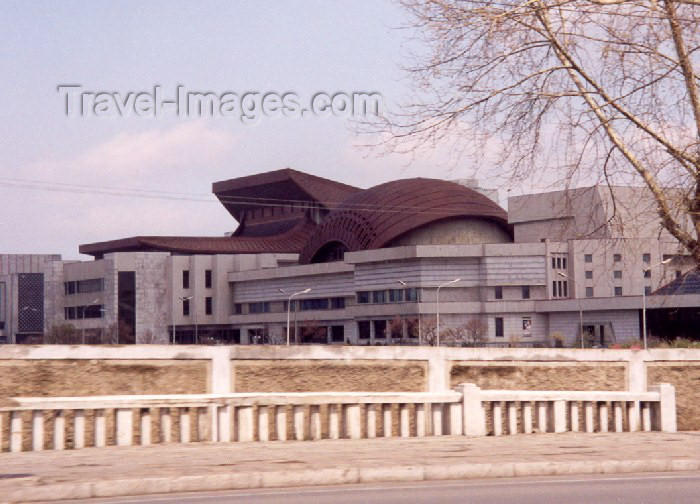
289, 305
580, 308
417, 310
644, 300
183, 299
437, 318
91, 303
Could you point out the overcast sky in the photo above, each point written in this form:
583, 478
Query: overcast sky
303, 47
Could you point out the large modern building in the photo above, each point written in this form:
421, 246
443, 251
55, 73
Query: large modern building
364, 267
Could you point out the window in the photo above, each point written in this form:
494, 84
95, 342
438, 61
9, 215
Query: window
565, 285
69, 287
314, 304
499, 327
363, 330
563, 263
84, 286
617, 274
589, 275
379, 329
558, 262
337, 303
186, 279
498, 292
186, 307
379, 296
526, 291
411, 295
618, 291
678, 273
261, 307
554, 262
646, 258
647, 273
589, 291
527, 327
69, 313
208, 305
560, 288
207, 279
647, 290
238, 308
396, 295
338, 333
363, 297
588, 258
617, 257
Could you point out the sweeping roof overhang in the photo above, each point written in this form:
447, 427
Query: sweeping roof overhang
375, 217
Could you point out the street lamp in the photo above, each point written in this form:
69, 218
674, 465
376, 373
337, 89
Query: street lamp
437, 318
580, 309
289, 304
417, 310
644, 299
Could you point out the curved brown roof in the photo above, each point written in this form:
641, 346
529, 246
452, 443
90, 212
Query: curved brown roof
290, 241
374, 218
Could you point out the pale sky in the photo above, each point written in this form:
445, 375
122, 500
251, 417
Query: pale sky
303, 47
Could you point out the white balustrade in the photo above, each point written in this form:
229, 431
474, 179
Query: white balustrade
314, 416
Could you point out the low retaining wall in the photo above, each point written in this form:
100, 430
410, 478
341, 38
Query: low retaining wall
53, 370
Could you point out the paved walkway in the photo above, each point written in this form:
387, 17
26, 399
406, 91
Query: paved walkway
51, 469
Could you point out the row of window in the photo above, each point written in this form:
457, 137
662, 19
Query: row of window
618, 258
383, 330
83, 312
186, 279
388, 296
500, 327
334, 303
524, 292
83, 286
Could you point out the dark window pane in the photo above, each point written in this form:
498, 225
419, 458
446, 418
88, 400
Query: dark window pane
499, 327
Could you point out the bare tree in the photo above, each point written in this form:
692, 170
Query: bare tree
594, 91
63, 334
475, 331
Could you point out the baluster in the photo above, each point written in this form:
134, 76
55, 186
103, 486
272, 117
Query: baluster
184, 425
456, 425
404, 421
333, 422
420, 420
124, 420
281, 422
224, 424
497, 417
633, 416
315, 428
573, 416
438, 428
353, 421
264, 423
558, 413
512, 417
145, 426
542, 416
646, 416
203, 425
527, 417
166, 425
617, 416
603, 416
298, 415
37, 430
588, 412
387, 424
213, 412
16, 431
371, 420
59, 430
246, 424
79, 429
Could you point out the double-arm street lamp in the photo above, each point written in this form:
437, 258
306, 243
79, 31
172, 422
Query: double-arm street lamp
437, 317
580, 308
644, 300
289, 305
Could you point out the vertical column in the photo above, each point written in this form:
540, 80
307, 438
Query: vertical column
617, 416
527, 417
37, 430
124, 422
59, 430
213, 411
437, 374
420, 420
633, 416
246, 424
542, 416
497, 418
264, 423
588, 418
573, 416
559, 413
315, 413
636, 372
404, 421
437, 418
603, 416
166, 425
298, 412
387, 424
371, 420
224, 423
512, 417
145, 426
79, 429
666, 409
16, 431
474, 423
333, 422
281, 422
184, 425
352, 421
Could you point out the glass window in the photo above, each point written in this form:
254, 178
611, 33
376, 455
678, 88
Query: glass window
646, 258
499, 327
314, 304
363, 329
208, 305
617, 257
617, 274
498, 292
558, 262
526, 292
363, 297
527, 326
379, 296
186, 307
338, 333
565, 284
647, 273
411, 294
589, 291
554, 262
647, 290
588, 258
396, 295
563, 263
207, 279
237, 308
679, 273
589, 275
186, 279
379, 329
261, 307
337, 303
618, 291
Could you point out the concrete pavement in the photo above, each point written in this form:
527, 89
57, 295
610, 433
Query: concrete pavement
111, 472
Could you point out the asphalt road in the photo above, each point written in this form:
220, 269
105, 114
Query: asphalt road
675, 488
